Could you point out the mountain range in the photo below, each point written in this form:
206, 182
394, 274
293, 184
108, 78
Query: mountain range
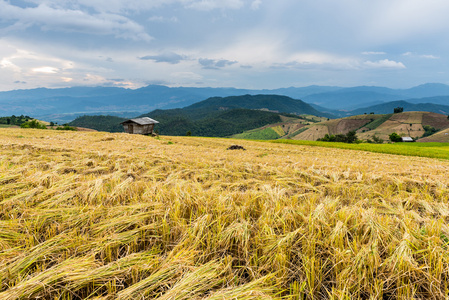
63, 105
217, 116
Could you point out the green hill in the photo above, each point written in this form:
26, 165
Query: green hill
275, 103
100, 123
212, 123
388, 107
216, 116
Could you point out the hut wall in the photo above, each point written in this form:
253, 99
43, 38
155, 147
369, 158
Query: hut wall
126, 128
138, 129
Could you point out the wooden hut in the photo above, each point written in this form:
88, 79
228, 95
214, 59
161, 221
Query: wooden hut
143, 125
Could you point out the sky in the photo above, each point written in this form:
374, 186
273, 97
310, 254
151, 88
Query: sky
254, 44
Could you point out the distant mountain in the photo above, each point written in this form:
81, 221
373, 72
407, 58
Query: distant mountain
443, 100
274, 103
363, 96
349, 99
386, 108
426, 90
65, 104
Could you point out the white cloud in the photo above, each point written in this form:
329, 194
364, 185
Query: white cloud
430, 56
47, 70
7, 64
121, 6
373, 53
73, 20
427, 56
400, 20
215, 4
162, 19
385, 63
256, 4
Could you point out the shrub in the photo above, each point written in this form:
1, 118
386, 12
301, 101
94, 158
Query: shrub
33, 124
398, 110
350, 137
67, 127
377, 140
429, 130
394, 137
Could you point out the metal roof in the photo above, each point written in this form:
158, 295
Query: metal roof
407, 139
141, 121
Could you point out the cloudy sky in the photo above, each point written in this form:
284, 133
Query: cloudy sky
223, 43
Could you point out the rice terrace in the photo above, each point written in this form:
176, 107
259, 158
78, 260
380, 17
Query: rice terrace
95, 215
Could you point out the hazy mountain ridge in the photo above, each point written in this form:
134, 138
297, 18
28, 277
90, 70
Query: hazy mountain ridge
388, 107
65, 104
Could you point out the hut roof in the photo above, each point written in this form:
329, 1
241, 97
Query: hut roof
141, 121
407, 139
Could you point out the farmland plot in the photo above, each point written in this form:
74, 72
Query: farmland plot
115, 216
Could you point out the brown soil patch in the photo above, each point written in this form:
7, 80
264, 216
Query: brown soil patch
313, 133
439, 137
346, 125
435, 120
85, 129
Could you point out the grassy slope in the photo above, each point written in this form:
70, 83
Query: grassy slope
431, 150
87, 214
259, 134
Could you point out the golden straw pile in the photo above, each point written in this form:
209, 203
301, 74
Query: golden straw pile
91, 215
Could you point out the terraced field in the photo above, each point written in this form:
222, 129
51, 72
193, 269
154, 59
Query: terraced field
92, 215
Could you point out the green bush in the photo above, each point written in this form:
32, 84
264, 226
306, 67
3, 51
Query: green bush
350, 137
429, 130
394, 137
66, 127
33, 124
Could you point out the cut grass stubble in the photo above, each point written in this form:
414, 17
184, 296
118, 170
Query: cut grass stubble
97, 215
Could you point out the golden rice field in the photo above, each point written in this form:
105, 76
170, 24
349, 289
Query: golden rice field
91, 215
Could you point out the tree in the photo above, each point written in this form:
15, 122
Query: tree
188, 133
429, 130
377, 140
394, 137
398, 110
351, 137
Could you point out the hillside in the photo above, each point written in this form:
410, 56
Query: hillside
227, 116
439, 137
215, 117
220, 123
94, 215
407, 124
275, 103
386, 108
285, 129
100, 123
